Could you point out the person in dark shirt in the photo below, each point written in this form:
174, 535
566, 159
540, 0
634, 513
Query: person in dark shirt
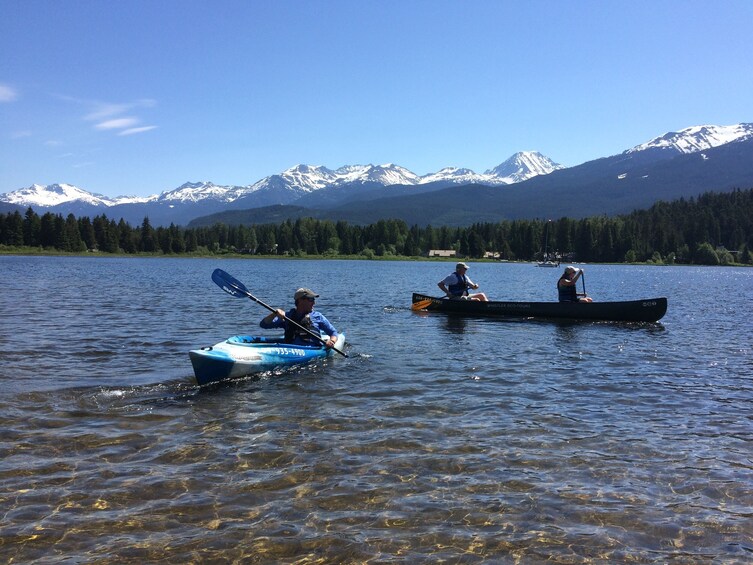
304, 315
566, 286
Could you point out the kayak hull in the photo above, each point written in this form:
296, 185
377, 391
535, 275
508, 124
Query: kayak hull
243, 355
647, 310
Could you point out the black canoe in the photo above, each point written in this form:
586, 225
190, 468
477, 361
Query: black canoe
648, 310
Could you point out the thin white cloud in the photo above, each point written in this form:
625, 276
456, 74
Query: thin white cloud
20, 134
132, 131
103, 111
117, 123
109, 116
7, 94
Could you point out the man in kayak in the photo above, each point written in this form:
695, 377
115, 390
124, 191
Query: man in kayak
456, 285
304, 315
566, 286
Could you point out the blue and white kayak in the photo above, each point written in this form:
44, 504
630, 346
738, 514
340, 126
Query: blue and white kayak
242, 355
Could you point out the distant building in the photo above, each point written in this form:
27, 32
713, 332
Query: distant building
442, 253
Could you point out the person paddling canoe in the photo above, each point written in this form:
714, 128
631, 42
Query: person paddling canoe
566, 286
304, 315
456, 285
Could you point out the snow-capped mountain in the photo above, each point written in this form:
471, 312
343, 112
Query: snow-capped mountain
198, 191
523, 166
386, 175
53, 195
696, 138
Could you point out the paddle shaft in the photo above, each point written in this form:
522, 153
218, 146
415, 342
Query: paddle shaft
239, 287
583, 278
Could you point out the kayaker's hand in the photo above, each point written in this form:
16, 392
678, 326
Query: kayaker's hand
330, 343
281, 314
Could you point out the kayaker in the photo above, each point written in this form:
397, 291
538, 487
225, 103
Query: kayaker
304, 315
456, 285
566, 286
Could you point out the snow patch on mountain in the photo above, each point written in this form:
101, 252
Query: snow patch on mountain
697, 138
459, 176
134, 199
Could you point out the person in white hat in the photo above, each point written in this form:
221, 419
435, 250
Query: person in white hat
304, 315
456, 285
566, 286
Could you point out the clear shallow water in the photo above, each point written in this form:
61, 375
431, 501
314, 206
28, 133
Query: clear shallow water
438, 439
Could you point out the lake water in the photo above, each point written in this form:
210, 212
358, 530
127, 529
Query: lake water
438, 440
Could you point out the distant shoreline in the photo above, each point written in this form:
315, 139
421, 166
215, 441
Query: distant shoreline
35, 252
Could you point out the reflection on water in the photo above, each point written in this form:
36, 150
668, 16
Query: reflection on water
440, 439
455, 324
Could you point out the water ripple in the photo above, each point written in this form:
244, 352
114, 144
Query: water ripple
437, 440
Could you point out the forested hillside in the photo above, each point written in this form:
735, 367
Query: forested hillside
715, 228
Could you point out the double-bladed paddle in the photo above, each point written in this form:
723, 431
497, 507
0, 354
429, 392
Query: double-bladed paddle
236, 288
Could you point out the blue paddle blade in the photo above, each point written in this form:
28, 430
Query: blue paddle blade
229, 284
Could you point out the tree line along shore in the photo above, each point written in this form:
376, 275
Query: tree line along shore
712, 229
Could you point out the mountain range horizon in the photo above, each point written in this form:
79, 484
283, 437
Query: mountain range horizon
341, 193
308, 178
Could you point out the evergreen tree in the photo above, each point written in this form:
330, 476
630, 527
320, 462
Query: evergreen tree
14, 229
177, 243
148, 241
47, 230
61, 236
86, 230
32, 228
127, 241
192, 244
73, 235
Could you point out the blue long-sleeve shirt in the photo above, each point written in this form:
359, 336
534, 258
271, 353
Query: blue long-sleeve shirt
318, 324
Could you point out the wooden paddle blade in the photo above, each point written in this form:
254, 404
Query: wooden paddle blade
421, 304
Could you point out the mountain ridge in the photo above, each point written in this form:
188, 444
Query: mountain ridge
607, 186
300, 179
355, 187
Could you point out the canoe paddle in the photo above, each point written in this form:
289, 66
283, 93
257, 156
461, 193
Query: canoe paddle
236, 288
421, 304
583, 278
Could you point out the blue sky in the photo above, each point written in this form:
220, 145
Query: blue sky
138, 97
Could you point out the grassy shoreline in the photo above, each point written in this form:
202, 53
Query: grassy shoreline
39, 252
36, 251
